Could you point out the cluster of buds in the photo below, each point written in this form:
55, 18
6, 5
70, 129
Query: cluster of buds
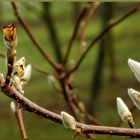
21, 74
18, 74
123, 110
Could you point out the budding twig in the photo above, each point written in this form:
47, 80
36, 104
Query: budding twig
38, 46
18, 115
86, 113
15, 70
10, 40
89, 14
32, 107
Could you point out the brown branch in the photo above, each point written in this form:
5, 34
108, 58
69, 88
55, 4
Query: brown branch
67, 98
11, 57
82, 14
34, 108
101, 34
38, 46
89, 14
87, 114
42, 70
18, 115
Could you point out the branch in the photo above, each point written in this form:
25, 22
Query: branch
38, 46
67, 98
89, 14
34, 108
18, 115
101, 34
86, 113
82, 14
42, 70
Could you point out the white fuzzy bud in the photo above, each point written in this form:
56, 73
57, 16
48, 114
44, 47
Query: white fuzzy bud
68, 120
135, 67
21, 61
12, 106
27, 74
84, 44
82, 106
17, 84
124, 112
51, 79
53, 82
135, 96
19, 67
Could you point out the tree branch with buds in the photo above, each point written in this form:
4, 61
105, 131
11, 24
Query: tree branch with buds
82, 128
38, 46
18, 75
15, 71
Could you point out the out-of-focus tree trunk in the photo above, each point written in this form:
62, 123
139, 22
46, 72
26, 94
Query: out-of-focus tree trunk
96, 85
111, 49
48, 18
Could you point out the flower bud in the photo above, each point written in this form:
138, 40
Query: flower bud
124, 112
17, 84
53, 82
51, 79
9, 34
27, 74
82, 106
135, 96
135, 67
19, 67
12, 106
68, 120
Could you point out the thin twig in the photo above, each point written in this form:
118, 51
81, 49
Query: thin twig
101, 34
89, 14
11, 41
42, 70
87, 114
34, 108
77, 25
38, 46
18, 115
67, 97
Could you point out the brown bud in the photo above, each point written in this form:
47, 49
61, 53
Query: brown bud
9, 34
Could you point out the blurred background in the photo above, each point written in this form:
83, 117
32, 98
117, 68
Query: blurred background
103, 75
